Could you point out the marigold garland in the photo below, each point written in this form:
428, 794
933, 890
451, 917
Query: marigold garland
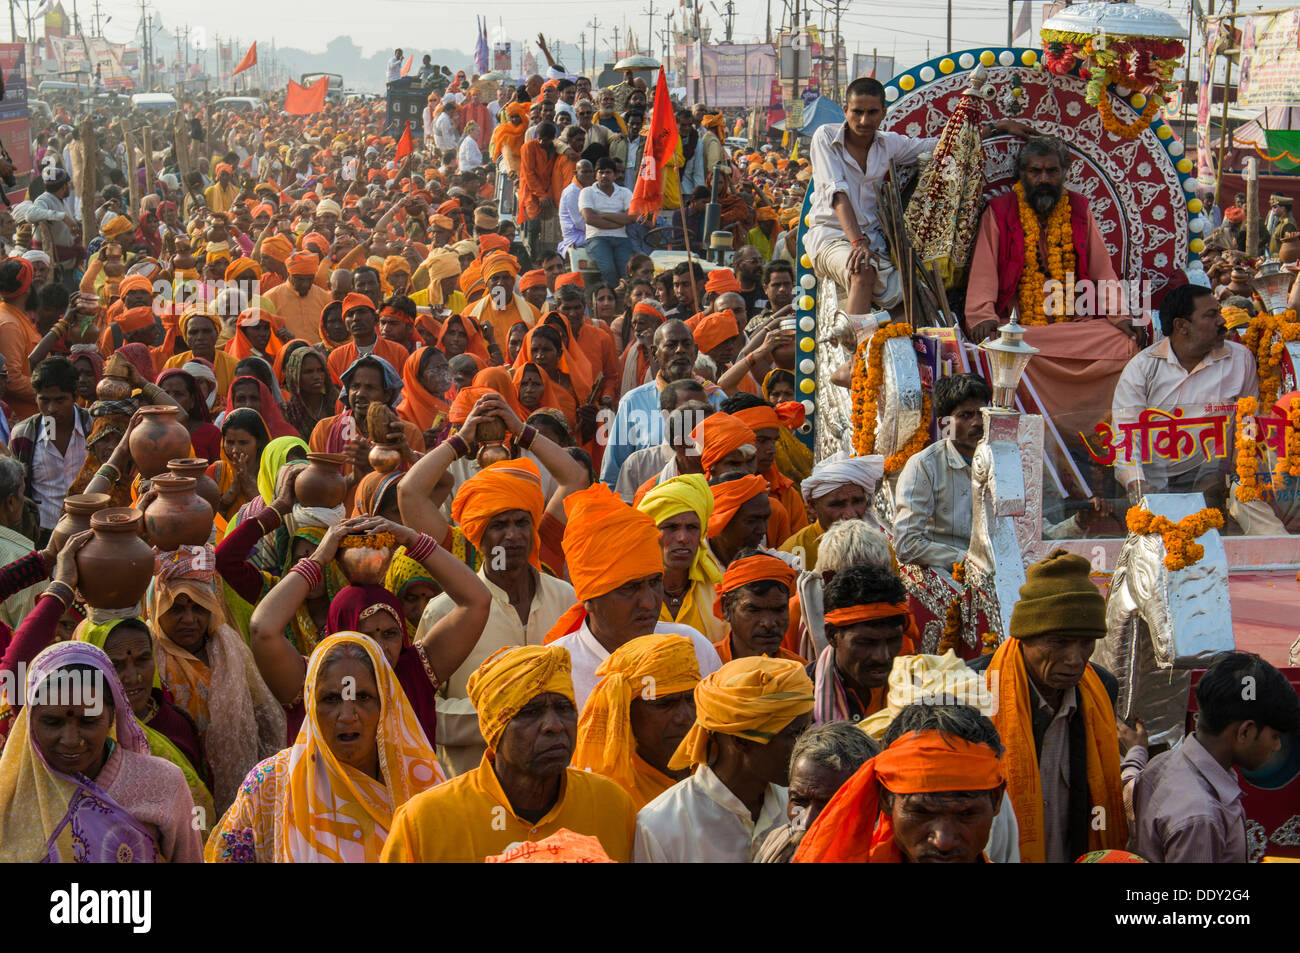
952, 621
1290, 464
868, 380
1180, 550
1032, 291
1267, 336
371, 541
989, 641
1127, 130
1247, 448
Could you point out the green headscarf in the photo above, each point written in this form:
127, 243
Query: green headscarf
274, 457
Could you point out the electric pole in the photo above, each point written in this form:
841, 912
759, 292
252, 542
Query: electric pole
650, 30
582, 37
97, 23
595, 70
615, 51
730, 16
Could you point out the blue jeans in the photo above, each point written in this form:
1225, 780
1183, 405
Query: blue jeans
611, 255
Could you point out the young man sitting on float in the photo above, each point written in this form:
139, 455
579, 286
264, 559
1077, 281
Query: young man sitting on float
846, 241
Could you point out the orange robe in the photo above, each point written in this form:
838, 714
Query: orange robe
536, 173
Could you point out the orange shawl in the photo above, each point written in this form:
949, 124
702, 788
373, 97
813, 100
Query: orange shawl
1014, 720
419, 406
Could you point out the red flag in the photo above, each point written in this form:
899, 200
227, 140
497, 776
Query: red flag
404, 147
406, 67
249, 60
648, 197
305, 100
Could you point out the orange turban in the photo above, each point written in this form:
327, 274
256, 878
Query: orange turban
607, 543
742, 572
731, 496
277, 247
714, 329
394, 264
134, 319
470, 276
753, 698
497, 263
722, 280
263, 209
506, 485
789, 414
510, 678
718, 435
302, 263
851, 829
492, 242
570, 278
532, 279
241, 265
449, 206
606, 744
316, 242
442, 221
224, 167
134, 283
352, 301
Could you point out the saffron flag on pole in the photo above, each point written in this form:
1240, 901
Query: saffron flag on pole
249, 60
404, 145
305, 100
406, 67
648, 196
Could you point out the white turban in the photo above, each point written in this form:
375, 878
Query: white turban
328, 205
841, 470
37, 257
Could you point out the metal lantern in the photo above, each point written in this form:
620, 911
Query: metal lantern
1273, 283
1009, 356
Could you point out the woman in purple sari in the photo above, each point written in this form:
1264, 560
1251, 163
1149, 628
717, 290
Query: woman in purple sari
77, 782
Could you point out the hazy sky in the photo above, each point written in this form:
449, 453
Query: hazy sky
898, 28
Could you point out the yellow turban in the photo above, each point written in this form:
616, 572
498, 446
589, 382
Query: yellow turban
753, 698
241, 265
442, 263
498, 262
394, 264
510, 678
118, 225
680, 495
652, 666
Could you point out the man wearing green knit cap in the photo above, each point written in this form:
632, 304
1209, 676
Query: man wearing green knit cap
1056, 715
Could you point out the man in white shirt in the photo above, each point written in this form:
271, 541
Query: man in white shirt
1192, 366
573, 229
748, 716
604, 208
394, 67
615, 561
445, 136
627, 149
58, 434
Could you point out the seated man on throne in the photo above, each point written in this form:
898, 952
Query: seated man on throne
1079, 359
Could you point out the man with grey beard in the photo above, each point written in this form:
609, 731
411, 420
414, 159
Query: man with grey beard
1000, 257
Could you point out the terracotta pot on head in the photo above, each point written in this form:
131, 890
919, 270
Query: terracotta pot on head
115, 566
159, 438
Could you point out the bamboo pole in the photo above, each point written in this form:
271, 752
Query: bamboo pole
86, 181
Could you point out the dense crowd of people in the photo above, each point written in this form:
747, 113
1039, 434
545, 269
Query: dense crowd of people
574, 590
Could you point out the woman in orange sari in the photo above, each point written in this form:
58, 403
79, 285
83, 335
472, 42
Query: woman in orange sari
563, 388
461, 335
425, 382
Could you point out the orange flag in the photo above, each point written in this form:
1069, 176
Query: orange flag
404, 146
305, 100
648, 196
249, 60
406, 67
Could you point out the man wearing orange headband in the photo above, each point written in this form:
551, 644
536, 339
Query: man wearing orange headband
619, 587
748, 715
299, 301
767, 423
867, 624
741, 511
1056, 715
532, 285
754, 600
929, 797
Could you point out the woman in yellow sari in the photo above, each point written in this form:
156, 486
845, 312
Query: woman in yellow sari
681, 507
359, 756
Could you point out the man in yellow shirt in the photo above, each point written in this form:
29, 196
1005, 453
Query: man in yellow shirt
524, 789
299, 301
221, 194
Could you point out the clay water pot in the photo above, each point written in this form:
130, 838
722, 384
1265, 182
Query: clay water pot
114, 267
365, 561
491, 453
384, 457
178, 516
77, 510
183, 260
113, 388
1289, 250
160, 437
115, 566
205, 486
321, 482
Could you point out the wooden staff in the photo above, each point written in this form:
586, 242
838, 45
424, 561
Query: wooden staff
132, 181
690, 272
180, 145
147, 138
86, 181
